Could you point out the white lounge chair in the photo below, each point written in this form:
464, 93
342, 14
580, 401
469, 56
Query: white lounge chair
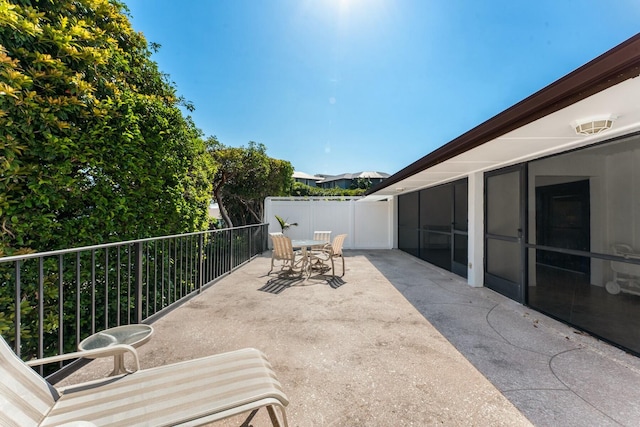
189, 393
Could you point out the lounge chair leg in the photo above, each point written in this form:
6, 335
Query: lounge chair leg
274, 418
249, 418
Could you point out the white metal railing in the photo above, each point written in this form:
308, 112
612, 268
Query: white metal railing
50, 301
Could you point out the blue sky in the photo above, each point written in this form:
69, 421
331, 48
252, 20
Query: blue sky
337, 86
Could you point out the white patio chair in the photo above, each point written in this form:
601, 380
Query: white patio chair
329, 252
325, 236
292, 261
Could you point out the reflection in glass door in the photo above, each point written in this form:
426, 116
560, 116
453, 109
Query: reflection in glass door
504, 215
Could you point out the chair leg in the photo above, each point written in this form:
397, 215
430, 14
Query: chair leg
275, 421
247, 422
333, 268
342, 265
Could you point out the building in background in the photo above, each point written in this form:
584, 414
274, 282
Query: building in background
344, 181
306, 179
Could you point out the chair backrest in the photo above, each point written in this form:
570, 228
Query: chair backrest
282, 247
336, 246
277, 233
325, 236
25, 397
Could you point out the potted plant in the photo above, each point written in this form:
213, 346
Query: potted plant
284, 225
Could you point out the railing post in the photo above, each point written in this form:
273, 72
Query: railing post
264, 239
200, 275
230, 250
18, 315
137, 268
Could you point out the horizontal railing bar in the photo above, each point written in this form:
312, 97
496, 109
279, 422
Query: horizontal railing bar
98, 288
110, 245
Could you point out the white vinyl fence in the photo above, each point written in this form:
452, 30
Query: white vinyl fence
368, 224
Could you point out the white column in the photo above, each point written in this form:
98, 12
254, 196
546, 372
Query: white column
394, 222
475, 268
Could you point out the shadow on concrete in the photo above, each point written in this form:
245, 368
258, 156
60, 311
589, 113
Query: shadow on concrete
336, 282
277, 285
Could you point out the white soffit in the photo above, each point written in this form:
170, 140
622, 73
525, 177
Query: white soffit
548, 135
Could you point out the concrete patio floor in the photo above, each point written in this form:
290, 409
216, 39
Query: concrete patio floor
397, 341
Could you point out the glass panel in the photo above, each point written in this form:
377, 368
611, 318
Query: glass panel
594, 190
408, 240
408, 225
503, 259
562, 221
503, 210
435, 208
460, 252
408, 210
605, 309
461, 206
588, 200
436, 249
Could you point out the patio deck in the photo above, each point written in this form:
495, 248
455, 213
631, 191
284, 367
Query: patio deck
376, 348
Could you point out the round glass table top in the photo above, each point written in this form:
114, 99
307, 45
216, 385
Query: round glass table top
297, 243
133, 335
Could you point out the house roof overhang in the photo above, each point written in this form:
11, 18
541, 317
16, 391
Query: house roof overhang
536, 126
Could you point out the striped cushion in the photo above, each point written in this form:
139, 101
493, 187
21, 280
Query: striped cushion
172, 394
25, 397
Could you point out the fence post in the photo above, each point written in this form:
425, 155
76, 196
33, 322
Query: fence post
18, 315
230, 250
200, 276
137, 248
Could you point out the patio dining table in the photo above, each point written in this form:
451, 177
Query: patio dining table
306, 245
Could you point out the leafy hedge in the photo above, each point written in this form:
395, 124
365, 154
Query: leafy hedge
94, 147
303, 190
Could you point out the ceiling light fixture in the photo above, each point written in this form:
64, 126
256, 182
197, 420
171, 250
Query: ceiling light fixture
593, 125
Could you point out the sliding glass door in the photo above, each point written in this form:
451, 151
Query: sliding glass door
504, 218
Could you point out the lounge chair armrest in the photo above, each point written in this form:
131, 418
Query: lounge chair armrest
112, 350
78, 424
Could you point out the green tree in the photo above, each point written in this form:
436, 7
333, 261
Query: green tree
244, 177
94, 148
299, 189
361, 183
93, 144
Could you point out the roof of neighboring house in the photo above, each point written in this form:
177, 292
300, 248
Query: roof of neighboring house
349, 176
302, 175
537, 125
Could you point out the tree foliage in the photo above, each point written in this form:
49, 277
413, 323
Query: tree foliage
361, 184
302, 190
245, 176
93, 144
